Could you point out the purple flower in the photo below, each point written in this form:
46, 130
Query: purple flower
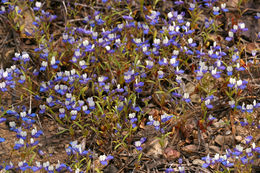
223, 7
216, 11
2, 119
165, 117
174, 62
104, 159
232, 82
248, 139
186, 97
139, 143
133, 119
207, 103
149, 64
257, 16
215, 73
241, 84
160, 74
2, 140
230, 36
169, 170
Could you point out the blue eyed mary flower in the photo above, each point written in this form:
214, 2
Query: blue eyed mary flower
165, 117
139, 143
230, 36
38, 5
43, 65
211, 118
37, 167
186, 97
104, 159
238, 150
216, 11
54, 63
232, 103
163, 62
174, 62
160, 74
232, 82
249, 108
241, 84
82, 64
133, 119
2, 140
19, 144
192, 6
156, 125
257, 16
215, 73
169, 170
207, 103
248, 139
149, 64
234, 29
229, 70
191, 43
178, 71
101, 80
178, 79
22, 79
223, 7
166, 41
91, 103
179, 2
73, 114
239, 68
242, 27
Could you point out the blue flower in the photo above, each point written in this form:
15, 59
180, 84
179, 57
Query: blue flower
104, 159
186, 97
169, 170
257, 16
2, 140
216, 11
2, 119
165, 117
223, 7
248, 139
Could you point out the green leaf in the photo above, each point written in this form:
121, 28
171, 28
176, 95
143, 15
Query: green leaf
139, 156
75, 122
62, 131
88, 166
159, 92
118, 145
171, 90
32, 158
99, 107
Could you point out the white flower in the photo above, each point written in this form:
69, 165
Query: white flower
156, 123
85, 42
215, 9
38, 4
53, 60
170, 15
132, 115
190, 40
186, 95
138, 143
102, 158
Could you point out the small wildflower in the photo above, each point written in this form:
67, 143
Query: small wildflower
104, 159
186, 97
